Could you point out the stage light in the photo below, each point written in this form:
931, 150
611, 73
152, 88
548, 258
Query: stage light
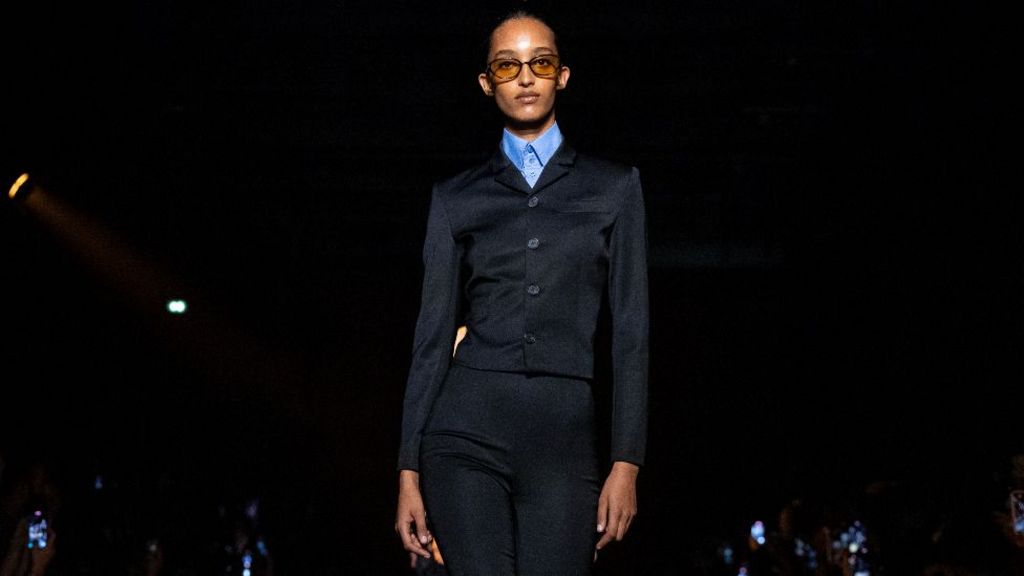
177, 306
19, 189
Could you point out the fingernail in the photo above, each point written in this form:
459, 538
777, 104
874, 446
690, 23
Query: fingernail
600, 527
424, 539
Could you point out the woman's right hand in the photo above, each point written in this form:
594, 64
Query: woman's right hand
411, 519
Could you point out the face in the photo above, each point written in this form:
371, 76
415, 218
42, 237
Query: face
528, 102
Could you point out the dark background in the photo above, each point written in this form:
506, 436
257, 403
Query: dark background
835, 251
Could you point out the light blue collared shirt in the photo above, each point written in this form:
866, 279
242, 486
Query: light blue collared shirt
531, 157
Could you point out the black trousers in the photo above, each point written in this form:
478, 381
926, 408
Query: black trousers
509, 474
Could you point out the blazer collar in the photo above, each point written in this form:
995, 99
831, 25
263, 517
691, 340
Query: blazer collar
506, 173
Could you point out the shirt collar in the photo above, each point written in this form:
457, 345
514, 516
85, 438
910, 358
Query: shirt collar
544, 146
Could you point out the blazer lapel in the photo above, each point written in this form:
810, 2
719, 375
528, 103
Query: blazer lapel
506, 173
559, 165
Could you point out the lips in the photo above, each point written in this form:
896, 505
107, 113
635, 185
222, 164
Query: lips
528, 98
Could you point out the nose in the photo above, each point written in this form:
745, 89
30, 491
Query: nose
526, 77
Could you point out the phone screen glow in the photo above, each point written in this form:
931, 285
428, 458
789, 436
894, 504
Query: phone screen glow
1017, 511
37, 531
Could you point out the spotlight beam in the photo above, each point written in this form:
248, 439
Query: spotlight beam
227, 354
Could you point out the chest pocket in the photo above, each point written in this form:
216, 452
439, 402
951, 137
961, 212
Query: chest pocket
580, 206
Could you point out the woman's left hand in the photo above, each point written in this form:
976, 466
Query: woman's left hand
617, 505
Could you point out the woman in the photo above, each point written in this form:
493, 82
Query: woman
497, 453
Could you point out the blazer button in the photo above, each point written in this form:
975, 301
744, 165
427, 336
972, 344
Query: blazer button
532, 243
533, 289
530, 338
532, 201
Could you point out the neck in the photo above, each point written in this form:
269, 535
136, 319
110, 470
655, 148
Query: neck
530, 131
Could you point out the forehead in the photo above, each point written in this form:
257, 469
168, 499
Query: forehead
523, 36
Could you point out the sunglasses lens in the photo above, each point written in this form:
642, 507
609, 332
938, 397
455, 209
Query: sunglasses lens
545, 66
505, 69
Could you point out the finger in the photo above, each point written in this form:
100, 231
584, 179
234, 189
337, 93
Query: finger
421, 527
412, 560
628, 523
411, 542
615, 523
621, 526
609, 530
602, 514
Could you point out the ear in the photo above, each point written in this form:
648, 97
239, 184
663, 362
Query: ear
563, 78
485, 84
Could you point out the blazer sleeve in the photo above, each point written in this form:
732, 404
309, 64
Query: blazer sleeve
627, 295
435, 330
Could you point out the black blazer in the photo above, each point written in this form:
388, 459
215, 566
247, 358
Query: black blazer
527, 270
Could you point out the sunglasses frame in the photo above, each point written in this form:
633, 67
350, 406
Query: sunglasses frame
494, 77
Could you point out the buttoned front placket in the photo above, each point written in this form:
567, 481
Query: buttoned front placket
510, 171
531, 165
531, 287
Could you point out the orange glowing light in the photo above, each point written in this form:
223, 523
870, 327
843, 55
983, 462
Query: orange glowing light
17, 185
